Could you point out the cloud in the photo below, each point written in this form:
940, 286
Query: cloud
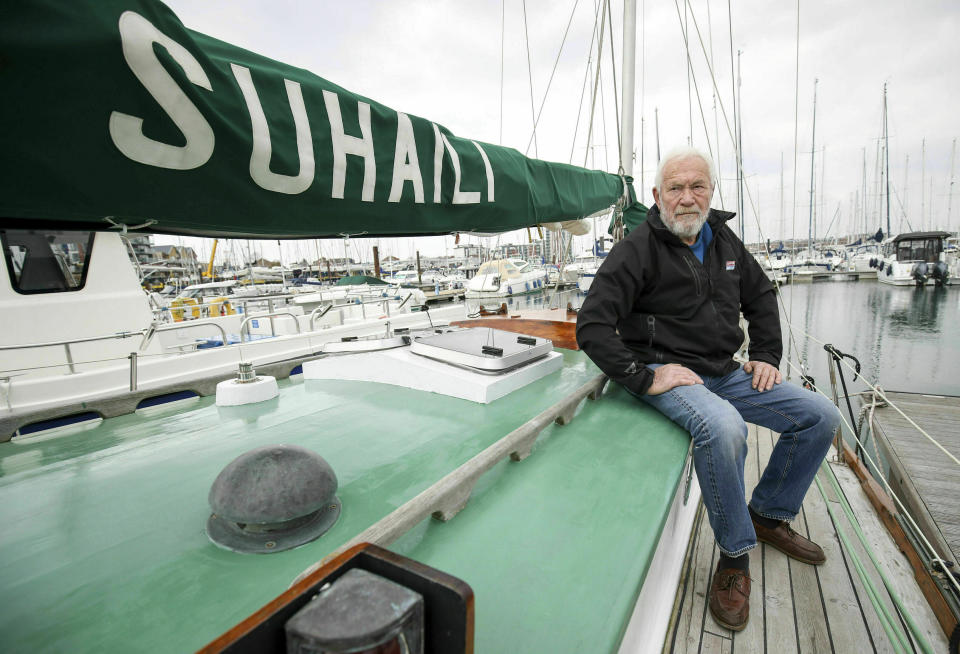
441, 60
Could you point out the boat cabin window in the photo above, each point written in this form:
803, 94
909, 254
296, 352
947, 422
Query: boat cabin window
41, 261
927, 249
498, 267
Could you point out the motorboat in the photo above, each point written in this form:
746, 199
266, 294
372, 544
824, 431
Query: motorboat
917, 259
863, 259
502, 278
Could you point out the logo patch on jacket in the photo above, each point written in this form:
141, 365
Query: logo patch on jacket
731, 265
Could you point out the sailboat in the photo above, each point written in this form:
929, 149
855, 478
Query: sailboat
550, 509
155, 143
912, 258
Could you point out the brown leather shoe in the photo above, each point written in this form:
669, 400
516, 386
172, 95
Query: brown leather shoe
790, 543
730, 598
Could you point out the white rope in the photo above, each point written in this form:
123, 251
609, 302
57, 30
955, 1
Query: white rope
931, 552
879, 391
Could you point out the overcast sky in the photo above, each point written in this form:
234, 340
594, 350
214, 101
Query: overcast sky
442, 60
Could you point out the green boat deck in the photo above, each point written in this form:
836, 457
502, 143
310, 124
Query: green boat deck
104, 547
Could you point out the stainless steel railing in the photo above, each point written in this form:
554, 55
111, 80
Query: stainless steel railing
67, 343
244, 326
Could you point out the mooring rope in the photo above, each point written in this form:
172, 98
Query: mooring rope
930, 550
898, 639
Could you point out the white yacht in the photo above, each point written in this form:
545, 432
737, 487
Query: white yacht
918, 259
101, 338
502, 278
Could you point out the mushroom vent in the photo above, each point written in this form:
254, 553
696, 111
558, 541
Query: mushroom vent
272, 498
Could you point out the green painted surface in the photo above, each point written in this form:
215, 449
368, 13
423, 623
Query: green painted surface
104, 548
557, 546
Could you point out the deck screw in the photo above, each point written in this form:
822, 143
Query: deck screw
270, 544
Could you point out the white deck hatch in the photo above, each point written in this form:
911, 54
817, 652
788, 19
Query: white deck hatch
485, 349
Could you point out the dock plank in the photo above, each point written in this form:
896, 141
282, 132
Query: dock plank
813, 631
701, 574
716, 644
676, 640
931, 477
780, 617
752, 638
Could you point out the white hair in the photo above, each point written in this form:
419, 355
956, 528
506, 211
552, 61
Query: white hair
684, 152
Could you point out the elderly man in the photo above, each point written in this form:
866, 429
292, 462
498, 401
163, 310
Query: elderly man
663, 319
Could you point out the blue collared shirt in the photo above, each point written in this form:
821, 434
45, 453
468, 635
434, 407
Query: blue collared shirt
703, 240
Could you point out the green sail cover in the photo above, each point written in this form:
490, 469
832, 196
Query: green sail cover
113, 109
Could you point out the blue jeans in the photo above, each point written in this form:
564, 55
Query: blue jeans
715, 413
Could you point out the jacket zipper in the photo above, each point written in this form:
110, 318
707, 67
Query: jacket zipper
652, 328
696, 275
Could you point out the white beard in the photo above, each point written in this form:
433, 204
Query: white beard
685, 227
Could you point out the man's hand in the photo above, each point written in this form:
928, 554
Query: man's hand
764, 375
671, 376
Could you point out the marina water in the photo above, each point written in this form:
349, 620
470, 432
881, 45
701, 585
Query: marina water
906, 339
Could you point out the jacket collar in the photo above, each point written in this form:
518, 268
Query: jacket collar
716, 220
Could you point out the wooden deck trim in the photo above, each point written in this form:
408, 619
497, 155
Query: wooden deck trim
561, 332
887, 513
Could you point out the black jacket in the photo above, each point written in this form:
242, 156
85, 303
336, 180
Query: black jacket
652, 301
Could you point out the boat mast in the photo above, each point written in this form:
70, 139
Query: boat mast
629, 82
738, 118
866, 228
656, 124
886, 154
813, 156
782, 225
953, 156
923, 182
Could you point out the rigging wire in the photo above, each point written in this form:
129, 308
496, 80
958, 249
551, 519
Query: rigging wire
593, 103
526, 40
503, 27
616, 105
696, 88
543, 102
643, 88
737, 163
716, 125
730, 132
586, 77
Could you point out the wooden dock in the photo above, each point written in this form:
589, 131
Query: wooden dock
828, 276
445, 295
926, 480
797, 607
